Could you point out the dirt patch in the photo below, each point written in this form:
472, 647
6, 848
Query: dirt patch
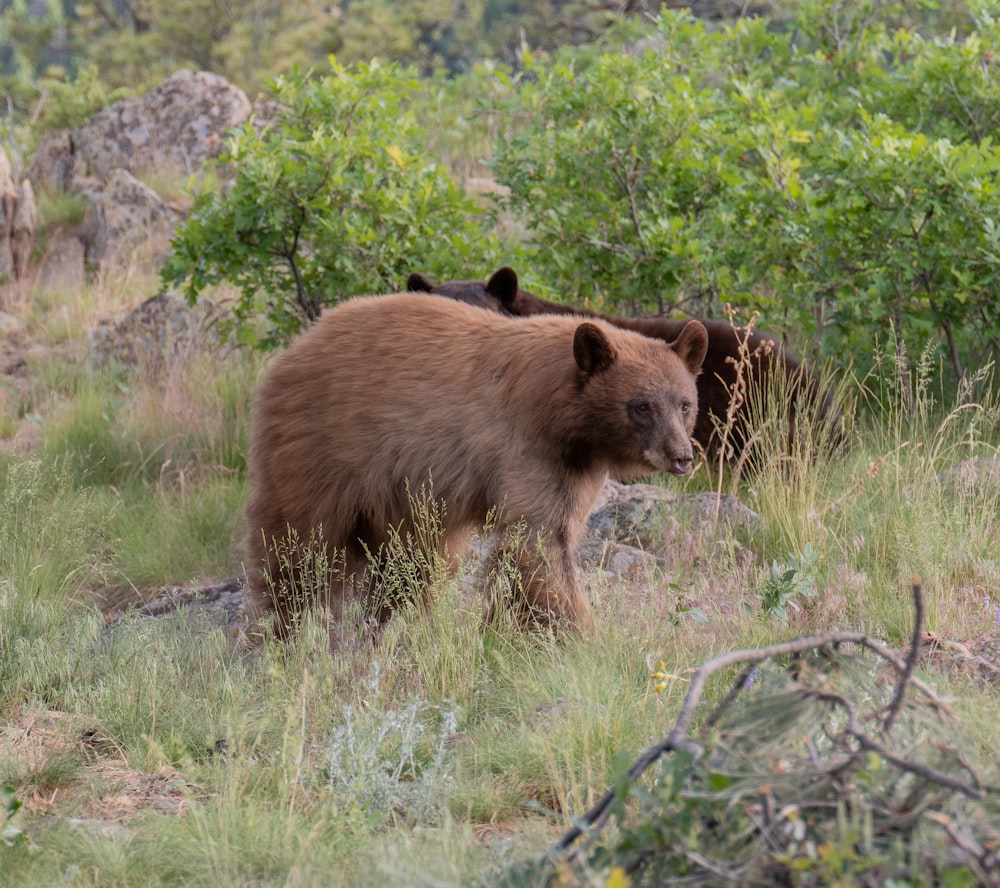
976, 658
59, 766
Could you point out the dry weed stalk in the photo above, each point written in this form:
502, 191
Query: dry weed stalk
737, 392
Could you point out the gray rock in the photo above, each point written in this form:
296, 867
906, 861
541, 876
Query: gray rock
126, 215
174, 127
23, 228
8, 207
638, 514
18, 220
64, 263
52, 163
619, 559
154, 334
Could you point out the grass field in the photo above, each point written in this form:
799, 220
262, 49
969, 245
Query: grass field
165, 752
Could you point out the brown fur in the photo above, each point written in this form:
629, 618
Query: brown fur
715, 383
386, 394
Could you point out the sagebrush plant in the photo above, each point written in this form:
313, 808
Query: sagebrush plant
393, 762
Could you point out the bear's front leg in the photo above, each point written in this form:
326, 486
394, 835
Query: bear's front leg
533, 574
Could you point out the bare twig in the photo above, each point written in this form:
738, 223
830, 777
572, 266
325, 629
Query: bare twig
854, 731
738, 686
911, 659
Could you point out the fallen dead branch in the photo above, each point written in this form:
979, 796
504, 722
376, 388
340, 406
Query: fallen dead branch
833, 769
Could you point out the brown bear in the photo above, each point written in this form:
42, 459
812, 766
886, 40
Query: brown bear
769, 361
521, 417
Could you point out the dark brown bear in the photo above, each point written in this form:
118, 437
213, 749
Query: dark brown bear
386, 394
769, 362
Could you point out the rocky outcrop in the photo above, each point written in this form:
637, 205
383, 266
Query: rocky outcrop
126, 215
18, 219
154, 335
174, 127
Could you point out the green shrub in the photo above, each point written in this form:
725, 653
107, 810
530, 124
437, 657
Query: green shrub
807, 173
334, 195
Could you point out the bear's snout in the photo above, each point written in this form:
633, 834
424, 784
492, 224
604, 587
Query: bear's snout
670, 460
681, 465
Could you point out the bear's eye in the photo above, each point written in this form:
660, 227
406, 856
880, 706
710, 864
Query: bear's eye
685, 407
641, 411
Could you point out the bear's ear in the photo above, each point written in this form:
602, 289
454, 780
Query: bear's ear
592, 350
419, 283
692, 345
503, 285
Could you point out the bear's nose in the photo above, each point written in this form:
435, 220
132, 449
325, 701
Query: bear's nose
681, 465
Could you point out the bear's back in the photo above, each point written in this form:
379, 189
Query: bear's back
401, 351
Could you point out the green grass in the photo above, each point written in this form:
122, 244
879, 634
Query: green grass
57, 210
141, 482
178, 534
167, 458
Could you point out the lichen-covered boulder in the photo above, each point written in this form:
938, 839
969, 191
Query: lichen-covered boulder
175, 127
127, 214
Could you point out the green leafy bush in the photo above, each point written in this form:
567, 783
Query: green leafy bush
785, 584
334, 195
812, 174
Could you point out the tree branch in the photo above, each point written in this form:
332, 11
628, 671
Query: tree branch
911, 660
678, 741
